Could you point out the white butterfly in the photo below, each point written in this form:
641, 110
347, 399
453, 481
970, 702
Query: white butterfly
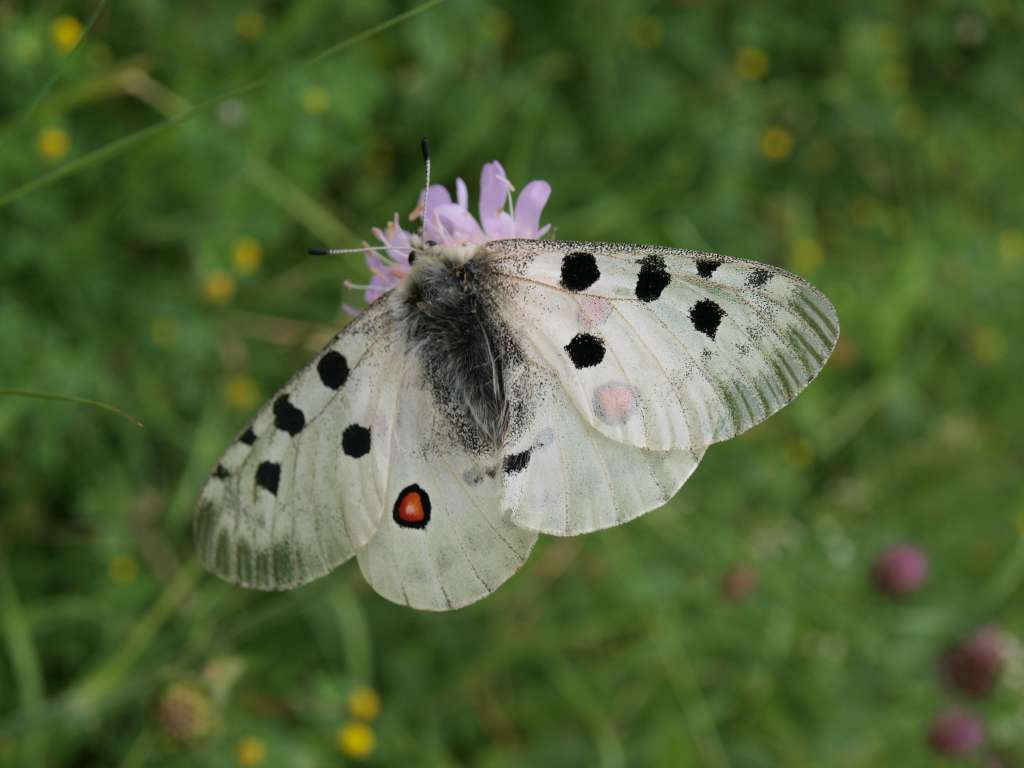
503, 389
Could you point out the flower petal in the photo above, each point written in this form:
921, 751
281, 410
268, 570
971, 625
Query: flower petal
494, 191
457, 226
462, 193
529, 204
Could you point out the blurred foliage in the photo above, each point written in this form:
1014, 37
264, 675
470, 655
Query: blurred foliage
874, 148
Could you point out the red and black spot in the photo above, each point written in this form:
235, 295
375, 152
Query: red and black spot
579, 271
333, 369
706, 316
653, 278
412, 508
355, 441
287, 417
585, 350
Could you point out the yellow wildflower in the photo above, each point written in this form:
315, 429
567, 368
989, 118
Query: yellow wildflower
122, 569
806, 255
356, 740
246, 255
251, 751
53, 143
751, 63
988, 344
163, 331
316, 100
496, 24
242, 392
647, 32
249, 25
66, 31
776, 143
218, 287
364, 703
799, 453
1011, 246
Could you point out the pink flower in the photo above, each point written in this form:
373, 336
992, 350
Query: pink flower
956, 732
449, 222
973, 665
900, 570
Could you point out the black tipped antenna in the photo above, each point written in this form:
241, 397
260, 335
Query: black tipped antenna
425, 148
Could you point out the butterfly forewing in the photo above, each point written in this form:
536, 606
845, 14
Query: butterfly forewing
708, 346
302, 488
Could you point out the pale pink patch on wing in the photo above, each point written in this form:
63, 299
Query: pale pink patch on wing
594, 311
614, 403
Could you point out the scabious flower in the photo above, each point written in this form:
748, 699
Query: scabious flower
450, 222
973, 665
900, 570
956, 732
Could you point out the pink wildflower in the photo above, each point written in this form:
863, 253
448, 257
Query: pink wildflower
450, 222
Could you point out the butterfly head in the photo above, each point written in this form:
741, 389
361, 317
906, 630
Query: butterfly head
424, 252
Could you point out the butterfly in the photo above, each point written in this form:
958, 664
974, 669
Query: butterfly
499, 389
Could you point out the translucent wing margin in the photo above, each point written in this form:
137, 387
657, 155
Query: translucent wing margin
664, 348
302, 487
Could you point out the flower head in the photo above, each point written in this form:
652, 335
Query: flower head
900, 570
956, 732
973, 664
448, 221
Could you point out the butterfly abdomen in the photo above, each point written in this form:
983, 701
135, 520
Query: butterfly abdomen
450, 310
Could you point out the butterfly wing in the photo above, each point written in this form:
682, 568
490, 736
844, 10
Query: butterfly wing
444, 541
563, 477
302, 488
699, 346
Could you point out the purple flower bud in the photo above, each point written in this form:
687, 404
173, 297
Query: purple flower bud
739, 582
955, 732
973, 664
900, 570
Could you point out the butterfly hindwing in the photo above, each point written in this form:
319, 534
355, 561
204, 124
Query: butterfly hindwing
302, 488
707, 345
444, 540
562, 477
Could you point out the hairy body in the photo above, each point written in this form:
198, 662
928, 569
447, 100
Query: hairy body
451, 309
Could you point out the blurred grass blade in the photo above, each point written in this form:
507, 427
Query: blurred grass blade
122, 145
71, 399
61, 66
24, 660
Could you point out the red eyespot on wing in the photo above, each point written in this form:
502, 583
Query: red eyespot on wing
412, 508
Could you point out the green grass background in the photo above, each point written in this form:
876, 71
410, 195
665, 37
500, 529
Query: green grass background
879, 155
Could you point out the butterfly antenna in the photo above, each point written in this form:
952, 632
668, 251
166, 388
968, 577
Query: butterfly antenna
336, 251
425, 148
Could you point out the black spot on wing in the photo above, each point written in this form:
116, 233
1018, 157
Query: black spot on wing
268, 475
333, 369
758, 277
707, 267
652, 279
585, 350
287, 417
355, 441
248, 437
220, 473
706, 316
579, 271
517, 462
